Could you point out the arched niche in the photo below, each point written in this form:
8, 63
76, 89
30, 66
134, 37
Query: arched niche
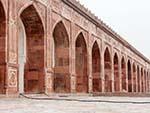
123, 75
107, 71
34, 51
96, 68
116, 73
134, 77
81, 64
138, 78
61, 59
129, 77
142, 80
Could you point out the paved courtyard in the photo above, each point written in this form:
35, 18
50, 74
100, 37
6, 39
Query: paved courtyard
81, 105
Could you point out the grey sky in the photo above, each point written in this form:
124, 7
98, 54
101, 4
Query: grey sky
129, 18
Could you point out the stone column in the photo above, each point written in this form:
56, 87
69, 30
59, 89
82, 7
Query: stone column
112, 69
146, 81
72, 69
102, 73
136, 79
143, 80
72, 60
120, 73
140, 77
90, 70
11, 83
49, 88
102, 68
127, 76
132, 75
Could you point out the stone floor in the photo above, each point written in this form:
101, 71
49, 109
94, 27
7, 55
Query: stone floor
23, 105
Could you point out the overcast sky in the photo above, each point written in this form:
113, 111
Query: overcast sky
129, 18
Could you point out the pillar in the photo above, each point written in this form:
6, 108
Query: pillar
136, 79
11, 71
102, 73
89, 51
127, 75
132, 75
120, 73
72, 60
140, 79
49, 88
112, 69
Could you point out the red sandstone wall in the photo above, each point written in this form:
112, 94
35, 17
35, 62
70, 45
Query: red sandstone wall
51, 12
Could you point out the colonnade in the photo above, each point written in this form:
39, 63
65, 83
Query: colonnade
97, 70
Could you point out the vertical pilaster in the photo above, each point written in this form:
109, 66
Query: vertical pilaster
145, 81
72, 60
140, 77
136, 80
12, 51
127, 82
132, 75
90, 70
148, 81
120, 74
148, 78
49, 85
102, 73
102, 69
112, 69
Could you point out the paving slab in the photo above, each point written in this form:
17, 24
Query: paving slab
23, 105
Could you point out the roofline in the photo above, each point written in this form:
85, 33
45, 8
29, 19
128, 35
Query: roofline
99, 23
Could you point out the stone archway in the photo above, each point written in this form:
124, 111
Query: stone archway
142, 80
129, 77
138, 78
134, 78
116, 74
123, 73
108, 72
61, 57
2, 47
81, 65
97, 83
34, 62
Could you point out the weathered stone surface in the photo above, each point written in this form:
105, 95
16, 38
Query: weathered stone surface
58, 46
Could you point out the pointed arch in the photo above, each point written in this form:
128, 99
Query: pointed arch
107, 68
116, 73
96, 68
142, 80
61, 56
134, 77
123, 75
34, 64
36, 8
2, 46
81, 64
147, 81
129, 77
138, 78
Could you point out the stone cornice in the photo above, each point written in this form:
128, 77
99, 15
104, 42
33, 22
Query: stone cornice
99, 23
